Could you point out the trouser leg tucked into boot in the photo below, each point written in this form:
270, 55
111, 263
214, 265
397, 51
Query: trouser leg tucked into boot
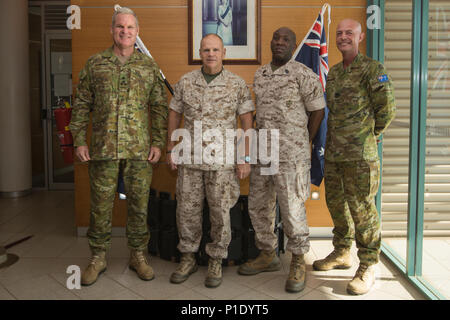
265, 262
97, 265
138, 263
187, 266
297, 274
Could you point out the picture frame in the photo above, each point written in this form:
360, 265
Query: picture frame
239, 26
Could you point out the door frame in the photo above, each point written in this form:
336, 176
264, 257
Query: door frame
47, 109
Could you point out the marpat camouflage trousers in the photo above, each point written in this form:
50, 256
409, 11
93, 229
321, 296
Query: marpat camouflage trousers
222, 190
350, 188
137, 176
291, 185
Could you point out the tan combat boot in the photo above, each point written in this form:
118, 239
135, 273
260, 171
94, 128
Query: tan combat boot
297, 274
363, 280
138, 262
265, 262
97, 265
338, 259
214, 276
187, 266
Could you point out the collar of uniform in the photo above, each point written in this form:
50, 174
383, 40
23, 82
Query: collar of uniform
218, 81
109, 53
282, 71
355, 63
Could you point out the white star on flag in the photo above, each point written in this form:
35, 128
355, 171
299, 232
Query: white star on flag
322, 152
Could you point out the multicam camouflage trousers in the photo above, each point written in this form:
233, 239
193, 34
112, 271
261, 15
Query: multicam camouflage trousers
222, 190
137, 176
350, 188
291, 185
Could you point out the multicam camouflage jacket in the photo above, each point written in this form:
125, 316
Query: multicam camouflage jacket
120, 98
361, 102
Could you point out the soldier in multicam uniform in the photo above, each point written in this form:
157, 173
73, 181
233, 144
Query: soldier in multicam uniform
361, 103
286, 91
118, 86
214, 96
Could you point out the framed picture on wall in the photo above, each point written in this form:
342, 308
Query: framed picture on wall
237, 22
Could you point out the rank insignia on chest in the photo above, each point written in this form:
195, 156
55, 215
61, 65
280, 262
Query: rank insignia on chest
383, 78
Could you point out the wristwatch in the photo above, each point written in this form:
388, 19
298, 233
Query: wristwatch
247, 159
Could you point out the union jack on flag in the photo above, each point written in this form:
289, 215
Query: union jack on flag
313, 52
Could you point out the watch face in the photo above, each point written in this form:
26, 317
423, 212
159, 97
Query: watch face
247, 159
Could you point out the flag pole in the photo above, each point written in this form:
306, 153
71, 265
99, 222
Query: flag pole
145, 51
324, 8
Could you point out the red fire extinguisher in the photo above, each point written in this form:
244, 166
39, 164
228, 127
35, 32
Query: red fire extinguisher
62, 117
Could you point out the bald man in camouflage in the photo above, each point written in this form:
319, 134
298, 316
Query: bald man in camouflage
289, 98
361, 102
213, 97
120, 87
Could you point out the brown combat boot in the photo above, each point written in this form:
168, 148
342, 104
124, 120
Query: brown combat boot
265, 262
214, 276
363, 280
138, 262
297, 274
97, 265
187, 266
338, 259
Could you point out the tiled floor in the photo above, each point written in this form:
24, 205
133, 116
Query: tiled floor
41, 271
435, 260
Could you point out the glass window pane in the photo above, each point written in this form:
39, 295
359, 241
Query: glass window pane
436, 243
61, 92
397, 60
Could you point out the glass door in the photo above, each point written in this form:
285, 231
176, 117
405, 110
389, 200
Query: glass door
58, 49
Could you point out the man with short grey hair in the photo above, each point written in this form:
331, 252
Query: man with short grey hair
121, 88
124, 10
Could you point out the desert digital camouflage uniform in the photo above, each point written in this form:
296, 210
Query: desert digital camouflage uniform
121, 98
283, 98
216, 105
360, 99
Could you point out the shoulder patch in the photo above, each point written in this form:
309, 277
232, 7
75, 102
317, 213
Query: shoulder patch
383, 78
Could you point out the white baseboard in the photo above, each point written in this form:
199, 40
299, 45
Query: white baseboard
320, 232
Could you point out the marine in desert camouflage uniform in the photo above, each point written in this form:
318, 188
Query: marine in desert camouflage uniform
361, 103
120, 87
289, 97
214, 96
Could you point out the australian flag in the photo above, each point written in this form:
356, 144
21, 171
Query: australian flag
313, 53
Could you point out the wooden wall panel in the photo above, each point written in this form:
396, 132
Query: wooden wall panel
129, 3
272, 21
313, 3
163, 29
